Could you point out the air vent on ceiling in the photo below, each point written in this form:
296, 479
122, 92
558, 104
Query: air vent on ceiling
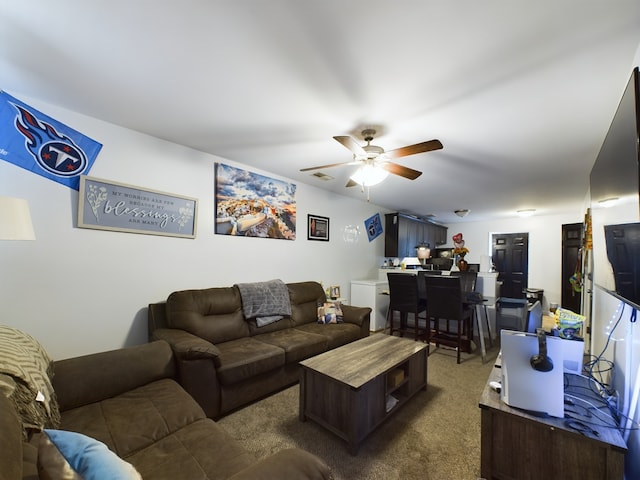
322, 176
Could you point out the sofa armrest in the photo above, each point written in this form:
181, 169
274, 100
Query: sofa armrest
187, 346
359, 315
290, 463
11, 440
91, 378
197, 361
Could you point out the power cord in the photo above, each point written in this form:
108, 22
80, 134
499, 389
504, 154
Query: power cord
593, 367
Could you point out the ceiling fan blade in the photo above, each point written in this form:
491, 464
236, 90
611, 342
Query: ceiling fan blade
351, 144
351, 183
401, 170
319, 167
413, 149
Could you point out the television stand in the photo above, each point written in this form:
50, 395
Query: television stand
517, 445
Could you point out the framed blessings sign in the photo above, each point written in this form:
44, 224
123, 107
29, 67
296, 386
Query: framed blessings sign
105, 205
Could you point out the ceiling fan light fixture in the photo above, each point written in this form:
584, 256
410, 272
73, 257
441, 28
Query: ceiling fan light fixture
369, 175
463, 212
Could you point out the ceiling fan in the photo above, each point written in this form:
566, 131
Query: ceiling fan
374, 162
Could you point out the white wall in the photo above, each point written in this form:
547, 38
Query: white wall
545, 246
81, 291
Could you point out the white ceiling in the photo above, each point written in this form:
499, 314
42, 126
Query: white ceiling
520, 93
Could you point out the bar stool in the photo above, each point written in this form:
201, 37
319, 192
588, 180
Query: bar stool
445, 302
405, 299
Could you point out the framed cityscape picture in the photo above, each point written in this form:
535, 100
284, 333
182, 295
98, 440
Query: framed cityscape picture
252, 205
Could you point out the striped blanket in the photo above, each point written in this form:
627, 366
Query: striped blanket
27, 363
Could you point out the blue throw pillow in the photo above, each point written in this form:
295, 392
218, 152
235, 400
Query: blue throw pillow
66, 455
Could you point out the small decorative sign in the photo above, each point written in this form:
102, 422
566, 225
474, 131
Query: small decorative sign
105, 205
373, 226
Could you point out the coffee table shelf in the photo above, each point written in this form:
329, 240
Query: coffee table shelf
346, 389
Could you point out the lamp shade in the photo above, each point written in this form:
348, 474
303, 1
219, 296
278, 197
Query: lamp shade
411, 262
15, 219
423, 251
369, 175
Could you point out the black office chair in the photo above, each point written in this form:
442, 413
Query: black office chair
446, 303
405, 299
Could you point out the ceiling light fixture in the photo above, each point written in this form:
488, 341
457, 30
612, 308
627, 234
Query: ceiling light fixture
462, 212
526, 212
608, 202
369, 175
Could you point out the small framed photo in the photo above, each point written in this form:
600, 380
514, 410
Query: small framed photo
317, 228
334, 290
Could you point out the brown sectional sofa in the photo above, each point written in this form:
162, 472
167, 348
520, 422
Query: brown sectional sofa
129, 399
227, 361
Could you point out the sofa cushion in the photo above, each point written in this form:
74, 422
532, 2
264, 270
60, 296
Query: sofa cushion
214, 314
291, 463
337, 334
305, 297
136, 419
66, 455
297, 344
254, 329
246, 357
90, 378
199, 451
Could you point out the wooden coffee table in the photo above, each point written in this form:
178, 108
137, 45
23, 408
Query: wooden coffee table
352, 389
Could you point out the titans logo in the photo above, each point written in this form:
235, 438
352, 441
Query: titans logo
55, 153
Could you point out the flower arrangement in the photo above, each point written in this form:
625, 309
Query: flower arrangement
458, 242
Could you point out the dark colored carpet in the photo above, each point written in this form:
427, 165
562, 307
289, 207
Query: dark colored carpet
434, 436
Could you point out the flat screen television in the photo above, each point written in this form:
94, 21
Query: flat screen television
616, 176
623, 251
615, 173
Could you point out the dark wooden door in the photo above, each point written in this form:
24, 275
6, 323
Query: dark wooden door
510, 255
571, 244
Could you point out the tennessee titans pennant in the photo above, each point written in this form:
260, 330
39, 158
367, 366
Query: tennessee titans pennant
42, 145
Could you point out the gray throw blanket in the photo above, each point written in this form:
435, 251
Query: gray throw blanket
267, 302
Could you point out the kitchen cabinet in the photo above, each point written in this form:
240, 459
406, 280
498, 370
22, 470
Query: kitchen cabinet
403, 233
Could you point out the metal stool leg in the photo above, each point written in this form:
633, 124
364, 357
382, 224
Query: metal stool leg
486, 320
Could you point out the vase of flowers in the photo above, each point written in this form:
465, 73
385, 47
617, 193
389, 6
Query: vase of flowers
459, 252
463, 265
